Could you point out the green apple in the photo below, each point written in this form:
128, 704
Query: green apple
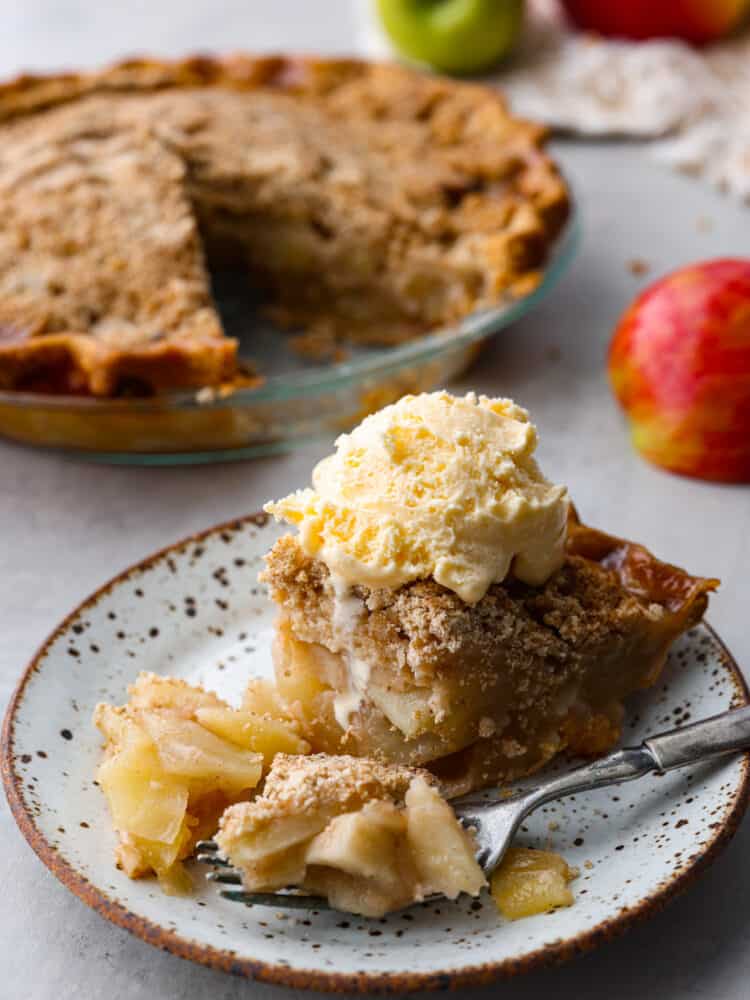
453, 36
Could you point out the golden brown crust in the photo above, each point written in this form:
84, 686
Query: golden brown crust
640, 573
485, 216
29, 93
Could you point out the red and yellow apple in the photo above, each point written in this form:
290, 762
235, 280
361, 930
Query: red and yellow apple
679, 364
696, 21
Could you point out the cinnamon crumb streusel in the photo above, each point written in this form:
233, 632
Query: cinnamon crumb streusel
302, 786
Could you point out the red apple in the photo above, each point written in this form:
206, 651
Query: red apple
697, 21
679, 364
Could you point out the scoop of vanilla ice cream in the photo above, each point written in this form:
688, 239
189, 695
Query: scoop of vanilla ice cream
433, 486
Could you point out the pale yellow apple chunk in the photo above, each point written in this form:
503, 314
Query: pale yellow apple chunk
265, 840
359, 861
353, 893
529, 882
443, 851
142, 799
193, 753
175, 757
269, 872
261, 733
360, 843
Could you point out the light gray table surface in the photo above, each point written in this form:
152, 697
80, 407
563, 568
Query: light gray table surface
66, 526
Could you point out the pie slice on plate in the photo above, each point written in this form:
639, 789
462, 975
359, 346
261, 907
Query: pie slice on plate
482, 693
441, 605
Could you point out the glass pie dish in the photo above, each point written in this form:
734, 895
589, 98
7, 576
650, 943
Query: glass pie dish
298, 399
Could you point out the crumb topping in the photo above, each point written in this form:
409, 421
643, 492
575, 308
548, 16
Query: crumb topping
306, 785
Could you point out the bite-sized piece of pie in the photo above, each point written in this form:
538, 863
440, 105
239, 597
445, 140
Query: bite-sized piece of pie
371, 202
368, 837
442, 607
175, 757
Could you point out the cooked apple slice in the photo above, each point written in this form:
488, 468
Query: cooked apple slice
141, 798
189, 751
530, 882
247, 843
361, 843
299, 679
443, 852
354, 894
139, 855
274, 871
298, 669
260, 733
409, 711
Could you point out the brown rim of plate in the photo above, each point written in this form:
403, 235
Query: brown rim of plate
314, 979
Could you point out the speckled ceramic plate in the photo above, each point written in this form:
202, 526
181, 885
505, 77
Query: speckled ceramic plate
195, 610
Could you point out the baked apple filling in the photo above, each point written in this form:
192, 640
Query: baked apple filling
175, 757
529, 882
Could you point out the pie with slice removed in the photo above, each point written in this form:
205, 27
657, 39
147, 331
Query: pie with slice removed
369, 202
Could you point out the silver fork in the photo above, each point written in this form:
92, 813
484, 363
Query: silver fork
494, 823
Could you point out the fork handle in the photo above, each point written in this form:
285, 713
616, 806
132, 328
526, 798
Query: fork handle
622, 765
725, 733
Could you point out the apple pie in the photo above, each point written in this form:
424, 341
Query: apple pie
369, 202
442, 606
483, 693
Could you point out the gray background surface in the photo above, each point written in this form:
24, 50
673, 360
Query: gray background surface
66, 526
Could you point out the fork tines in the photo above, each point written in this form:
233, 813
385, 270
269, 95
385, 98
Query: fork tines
208, 854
